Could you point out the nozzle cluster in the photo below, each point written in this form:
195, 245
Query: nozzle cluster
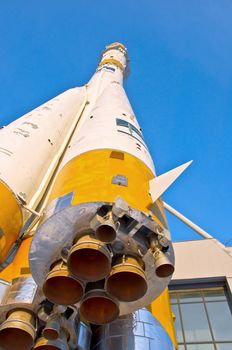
24, 330
93, 279
96, 277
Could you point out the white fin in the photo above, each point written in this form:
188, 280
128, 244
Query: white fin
160, 184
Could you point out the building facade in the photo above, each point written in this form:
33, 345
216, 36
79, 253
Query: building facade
201, 295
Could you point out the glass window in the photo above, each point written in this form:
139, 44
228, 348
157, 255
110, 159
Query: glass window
173, 297
181, 347
177, 323
203, 319
196, 327
220, 319
200, 347
227, 346
190, 296
214, 294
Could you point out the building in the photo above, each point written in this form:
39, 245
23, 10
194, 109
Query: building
201, 295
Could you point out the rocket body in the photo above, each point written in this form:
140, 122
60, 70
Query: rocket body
102, 248
107, 163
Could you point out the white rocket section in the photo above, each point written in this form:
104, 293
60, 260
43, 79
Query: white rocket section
31, 146
108, 121
100, 80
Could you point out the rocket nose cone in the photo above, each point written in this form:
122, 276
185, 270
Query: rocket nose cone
89, 259
116, 44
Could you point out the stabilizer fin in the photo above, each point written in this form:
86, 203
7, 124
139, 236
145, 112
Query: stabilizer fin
160, 184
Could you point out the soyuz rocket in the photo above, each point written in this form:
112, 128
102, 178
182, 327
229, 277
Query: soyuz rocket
85, 249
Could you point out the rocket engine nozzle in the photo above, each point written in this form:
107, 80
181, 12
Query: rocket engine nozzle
163, 266
52, 344
61, 287
98, 307
89, 259
106, 232
127, 280
52, 329
18, 331
105, 227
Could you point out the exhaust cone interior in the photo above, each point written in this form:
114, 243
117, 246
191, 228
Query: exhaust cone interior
50, 334
164, 267
99, 308
127, 280
106, 233
47, 347
89, 259
52, 329
165, 270
18, 331
62, 288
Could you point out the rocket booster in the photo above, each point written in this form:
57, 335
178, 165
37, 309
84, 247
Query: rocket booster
102, 248
30, 148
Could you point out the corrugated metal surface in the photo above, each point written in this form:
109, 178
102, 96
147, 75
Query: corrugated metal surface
138, 331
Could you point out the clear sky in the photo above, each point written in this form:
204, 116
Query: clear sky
180, 84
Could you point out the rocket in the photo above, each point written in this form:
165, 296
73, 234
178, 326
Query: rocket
85, 249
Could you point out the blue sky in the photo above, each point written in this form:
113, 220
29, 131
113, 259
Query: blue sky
180, 84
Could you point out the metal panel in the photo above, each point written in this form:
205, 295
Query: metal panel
138, 331
4, 287
22, 293
84, 336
